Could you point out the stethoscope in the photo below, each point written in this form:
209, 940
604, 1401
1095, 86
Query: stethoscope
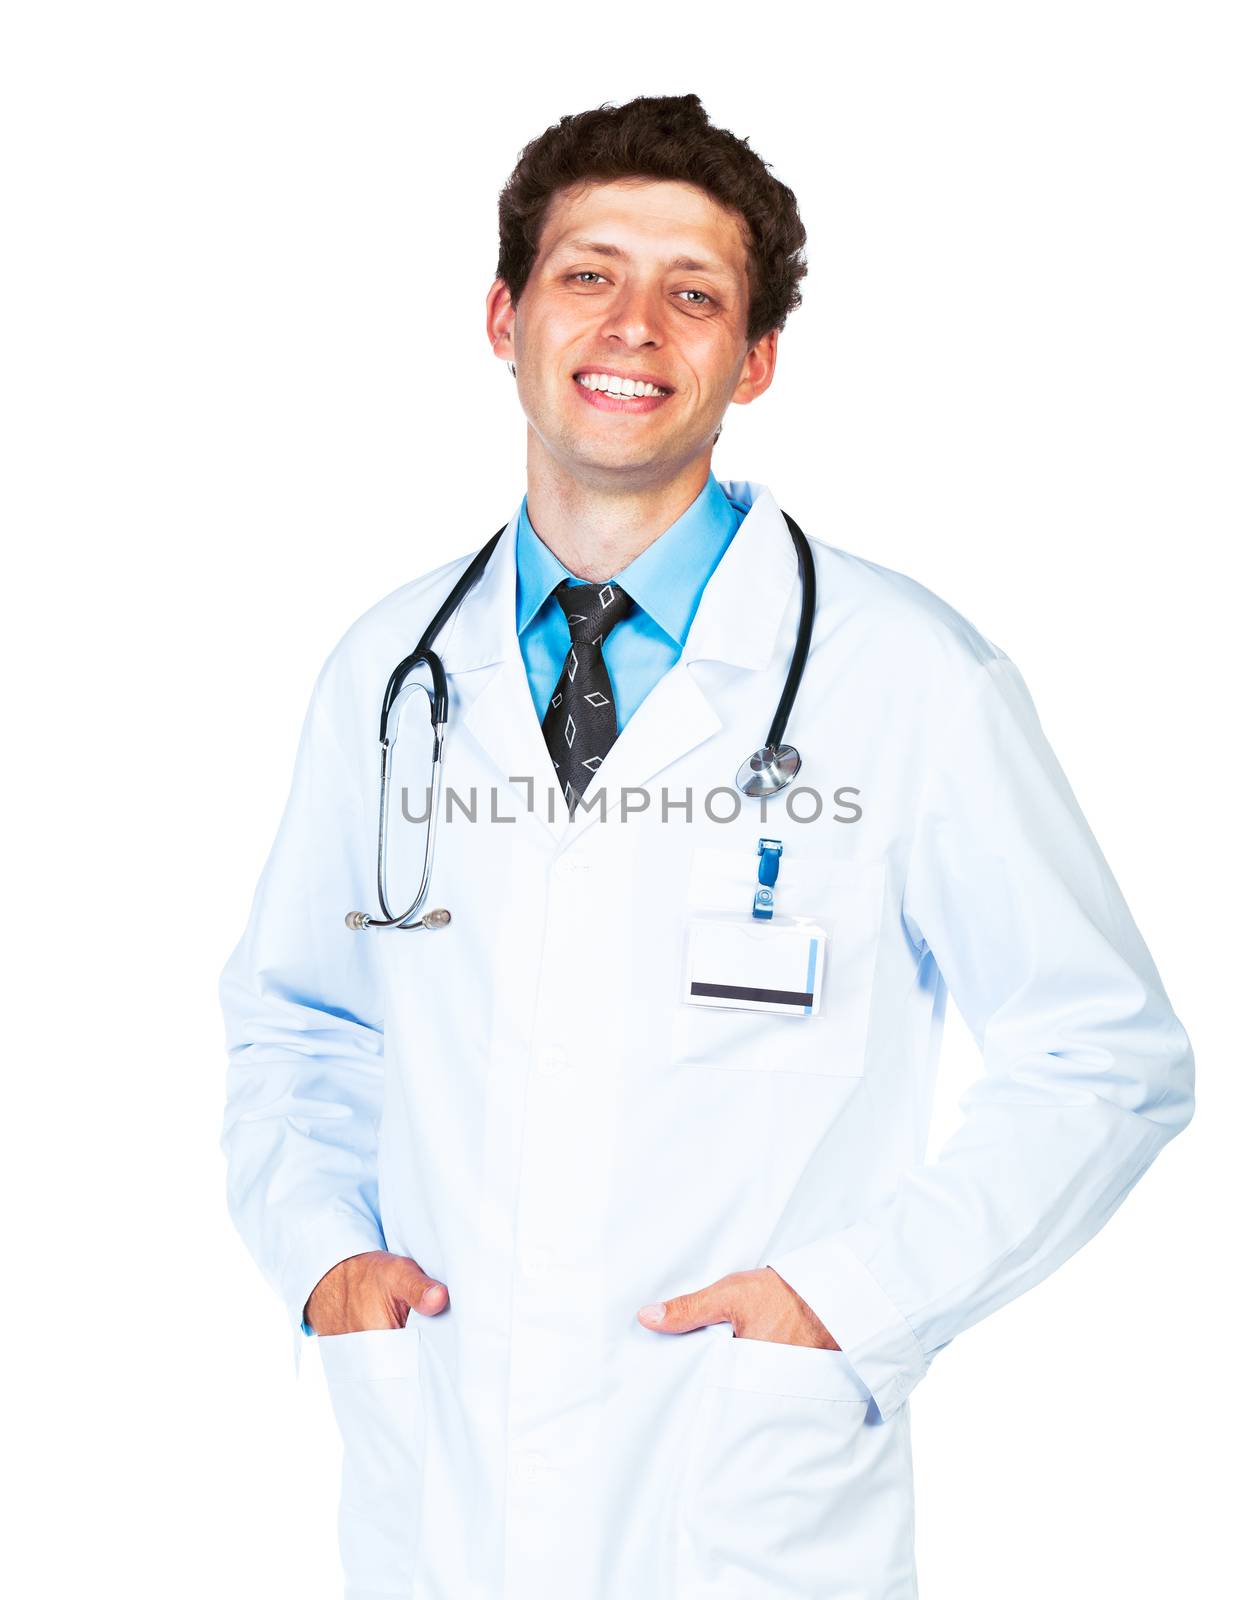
765, 773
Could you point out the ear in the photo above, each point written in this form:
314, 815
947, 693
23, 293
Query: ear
758, 369
501, 314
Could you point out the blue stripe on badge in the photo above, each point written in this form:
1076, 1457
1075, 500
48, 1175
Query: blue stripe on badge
810, 972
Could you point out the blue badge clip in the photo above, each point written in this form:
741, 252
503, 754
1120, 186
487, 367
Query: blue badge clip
769, 853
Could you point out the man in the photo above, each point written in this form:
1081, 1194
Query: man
619, 1292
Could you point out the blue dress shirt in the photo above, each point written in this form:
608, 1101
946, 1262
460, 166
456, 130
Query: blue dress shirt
666, 580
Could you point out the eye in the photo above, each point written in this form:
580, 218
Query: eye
585, 275
703, 299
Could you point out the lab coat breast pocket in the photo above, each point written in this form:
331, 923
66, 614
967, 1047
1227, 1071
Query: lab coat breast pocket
373, 1381
846, 897
795, 1487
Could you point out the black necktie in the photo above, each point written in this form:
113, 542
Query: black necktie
580, 722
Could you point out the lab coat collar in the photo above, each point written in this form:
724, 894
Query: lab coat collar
738, 622
739, 616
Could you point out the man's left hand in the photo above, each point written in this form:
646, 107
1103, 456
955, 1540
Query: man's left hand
758, 1304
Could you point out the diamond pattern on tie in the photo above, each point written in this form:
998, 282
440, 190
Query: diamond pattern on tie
581, 723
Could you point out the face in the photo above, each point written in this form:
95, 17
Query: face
637, 285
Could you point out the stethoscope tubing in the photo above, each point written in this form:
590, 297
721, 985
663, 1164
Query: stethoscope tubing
425, 654
806, 622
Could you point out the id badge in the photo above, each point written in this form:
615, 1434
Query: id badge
741, 965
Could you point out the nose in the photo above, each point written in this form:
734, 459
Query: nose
635, 319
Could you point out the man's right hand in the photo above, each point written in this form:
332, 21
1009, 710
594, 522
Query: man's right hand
373, 1290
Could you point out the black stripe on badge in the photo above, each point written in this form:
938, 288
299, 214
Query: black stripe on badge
737, 991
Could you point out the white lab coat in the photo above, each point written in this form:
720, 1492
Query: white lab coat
523, 1104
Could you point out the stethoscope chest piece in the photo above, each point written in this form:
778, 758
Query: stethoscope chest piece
768, 771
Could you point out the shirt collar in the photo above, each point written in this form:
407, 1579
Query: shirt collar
667, 578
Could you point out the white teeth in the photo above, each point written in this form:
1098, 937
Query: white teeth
626, 387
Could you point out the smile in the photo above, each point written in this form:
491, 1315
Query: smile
612, 391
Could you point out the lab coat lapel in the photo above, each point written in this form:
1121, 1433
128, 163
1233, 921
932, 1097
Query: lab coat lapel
491, 699
737, 622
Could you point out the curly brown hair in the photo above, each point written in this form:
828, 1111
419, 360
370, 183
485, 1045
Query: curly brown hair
667, 137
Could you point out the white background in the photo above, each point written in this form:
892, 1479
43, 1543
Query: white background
246, 392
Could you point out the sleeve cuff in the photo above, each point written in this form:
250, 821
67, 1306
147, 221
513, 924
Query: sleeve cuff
881, 1345
322, 1247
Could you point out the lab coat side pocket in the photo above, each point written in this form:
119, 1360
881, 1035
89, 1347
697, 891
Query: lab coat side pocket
796, 1488
374, 1383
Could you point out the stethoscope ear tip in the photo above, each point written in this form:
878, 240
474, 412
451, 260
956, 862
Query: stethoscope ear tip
358, 921
768, 771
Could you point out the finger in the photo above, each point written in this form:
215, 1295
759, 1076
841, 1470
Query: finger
427, 1295
688, 1311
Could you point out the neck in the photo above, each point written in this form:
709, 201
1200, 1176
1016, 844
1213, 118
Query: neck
596, 531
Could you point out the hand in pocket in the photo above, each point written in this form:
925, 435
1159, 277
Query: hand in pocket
758, 1304
373, 1290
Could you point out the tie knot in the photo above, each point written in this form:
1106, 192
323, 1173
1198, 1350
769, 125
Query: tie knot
592, 609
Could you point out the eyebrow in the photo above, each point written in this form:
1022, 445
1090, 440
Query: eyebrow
615, 253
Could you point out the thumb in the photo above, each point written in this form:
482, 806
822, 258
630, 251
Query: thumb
688, 1311
425, 1294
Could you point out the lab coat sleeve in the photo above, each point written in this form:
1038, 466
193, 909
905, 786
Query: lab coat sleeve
1087, 1071
305, 1035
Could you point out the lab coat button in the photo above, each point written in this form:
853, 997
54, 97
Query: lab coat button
551, 1061
529, 1465
537, 1260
